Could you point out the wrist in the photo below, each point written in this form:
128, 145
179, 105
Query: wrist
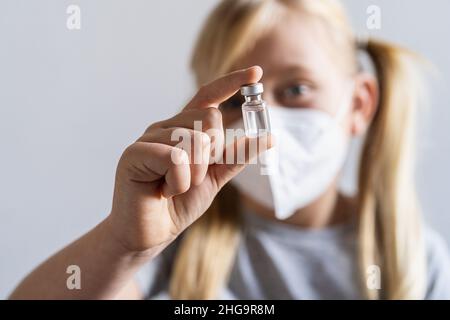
121, 248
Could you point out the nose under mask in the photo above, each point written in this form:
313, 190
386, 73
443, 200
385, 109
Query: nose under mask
310, 150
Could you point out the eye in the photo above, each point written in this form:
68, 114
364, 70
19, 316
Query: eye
296, 95
295, 91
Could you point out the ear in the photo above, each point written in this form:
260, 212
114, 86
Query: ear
365, 102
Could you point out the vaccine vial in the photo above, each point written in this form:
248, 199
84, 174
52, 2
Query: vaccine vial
254, 111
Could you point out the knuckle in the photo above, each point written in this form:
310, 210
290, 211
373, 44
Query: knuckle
179, 133
201, 137
212, 117
153, 126
177, 189
127, 159
148, 136
182, 186
179, 156
129, 150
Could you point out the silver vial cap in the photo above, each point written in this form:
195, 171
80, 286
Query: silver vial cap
252, 89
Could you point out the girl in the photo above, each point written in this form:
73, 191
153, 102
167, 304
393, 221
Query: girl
288, 235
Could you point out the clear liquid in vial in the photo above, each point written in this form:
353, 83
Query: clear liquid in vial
256, 119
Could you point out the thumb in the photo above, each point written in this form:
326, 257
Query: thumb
219, 90
236, 156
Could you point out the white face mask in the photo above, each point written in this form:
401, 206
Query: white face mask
310, 150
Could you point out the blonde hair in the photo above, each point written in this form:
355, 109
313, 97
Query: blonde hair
389, 231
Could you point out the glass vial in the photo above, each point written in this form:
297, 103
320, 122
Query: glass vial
254, 111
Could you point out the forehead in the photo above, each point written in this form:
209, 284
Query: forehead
295, 43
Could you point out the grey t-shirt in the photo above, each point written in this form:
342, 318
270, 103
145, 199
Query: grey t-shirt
280, 261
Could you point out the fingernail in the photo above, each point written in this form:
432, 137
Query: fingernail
255, 66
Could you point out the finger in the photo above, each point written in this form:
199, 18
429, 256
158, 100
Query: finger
178, 177
207, 120
183, 119
242, 152
196, 119
197, 144
217, 91
150, 162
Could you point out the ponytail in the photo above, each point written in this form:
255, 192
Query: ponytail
390, 234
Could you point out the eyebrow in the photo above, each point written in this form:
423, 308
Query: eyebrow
289, 70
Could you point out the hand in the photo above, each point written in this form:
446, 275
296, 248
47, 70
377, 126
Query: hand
159, 189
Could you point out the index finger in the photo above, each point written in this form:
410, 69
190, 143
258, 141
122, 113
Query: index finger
219, 90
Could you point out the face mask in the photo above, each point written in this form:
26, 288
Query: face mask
309, 152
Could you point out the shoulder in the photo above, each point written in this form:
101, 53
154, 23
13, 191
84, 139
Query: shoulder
438, 265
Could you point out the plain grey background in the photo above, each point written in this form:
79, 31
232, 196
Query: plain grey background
71, 101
